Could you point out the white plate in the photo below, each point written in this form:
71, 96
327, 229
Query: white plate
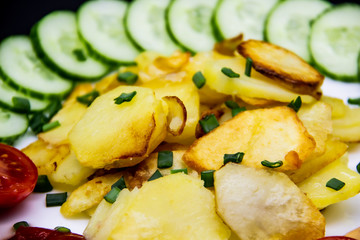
341, 217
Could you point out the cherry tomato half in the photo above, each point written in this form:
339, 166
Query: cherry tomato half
36, 233
18, 176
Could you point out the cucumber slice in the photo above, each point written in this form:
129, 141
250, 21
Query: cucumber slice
233, 17
22, 69
56, 41
7, 93
189, 23
101, 26
288, 24
12, 125
335, 42
145, 25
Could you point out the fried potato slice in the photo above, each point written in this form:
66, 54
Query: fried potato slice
334, 149
176, 206
119, 135
316, 118
228, 46
187, 93
176, 116
338, 106
89, 194
282, 65
271, 134
259, 102
69, 171
321, 195
254, 207
347, 127
45, 156
255, 86
153, 65
144, 170
111, 81
68, 116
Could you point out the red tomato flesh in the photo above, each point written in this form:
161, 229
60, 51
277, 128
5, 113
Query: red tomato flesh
36, 233
18, 176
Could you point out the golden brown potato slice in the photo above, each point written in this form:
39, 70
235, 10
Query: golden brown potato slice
176, 116
347, 126
111, 81
334, 149
144, 170
119, 135
316, 118
68, 116
228, 46
338, 106
176, 206
271, 134
187, 93
152, 66
89, 194
282, 65
79, 90
255, 86
315, 187
69, 171
45, 156
254, 207
259, 102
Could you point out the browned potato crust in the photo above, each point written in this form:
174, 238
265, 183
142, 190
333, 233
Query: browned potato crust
271, 134
282, 65
177, 115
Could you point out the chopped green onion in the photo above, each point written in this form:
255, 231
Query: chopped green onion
55, 199
127, 77
335, 184
156, 175
248, 66
49, 126
184, 170
37, 121
229, 72
295, 104
209, 123
269, 164
19, 224
111, 196
235, 111
358, 167
88, 98
165, 159
199, 80
236, 158
21, 104
43, 184
79, 54
354, 101
208, 178
125, 97
53, 108
62, 229
235, 108
231, 104
120, 183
